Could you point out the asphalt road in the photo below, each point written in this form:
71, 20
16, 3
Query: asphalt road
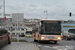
62, 45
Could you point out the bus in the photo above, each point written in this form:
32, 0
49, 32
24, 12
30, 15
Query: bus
47, 30
28, 33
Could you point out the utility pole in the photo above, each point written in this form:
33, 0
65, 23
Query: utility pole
17, 30
4, 9
46, 14
17, 20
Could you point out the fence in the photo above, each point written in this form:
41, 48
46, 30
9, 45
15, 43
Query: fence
3, 40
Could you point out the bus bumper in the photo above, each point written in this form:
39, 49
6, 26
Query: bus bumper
50, 39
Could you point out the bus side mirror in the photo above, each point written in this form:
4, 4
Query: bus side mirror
61, 26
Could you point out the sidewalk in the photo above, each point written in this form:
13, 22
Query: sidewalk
21, 46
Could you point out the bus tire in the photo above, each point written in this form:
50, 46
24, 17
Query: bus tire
55, 42
35, 40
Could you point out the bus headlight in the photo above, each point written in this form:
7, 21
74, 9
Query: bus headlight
42, 37
59, 38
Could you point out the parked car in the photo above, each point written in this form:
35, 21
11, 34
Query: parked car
68, 36
21, 35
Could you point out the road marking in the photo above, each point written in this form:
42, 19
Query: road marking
39, 45
47, 46
60, 49
65, 47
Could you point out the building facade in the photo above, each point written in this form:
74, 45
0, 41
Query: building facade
69, 24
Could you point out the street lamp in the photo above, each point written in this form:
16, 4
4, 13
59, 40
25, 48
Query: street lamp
17, 20
46, 13
17, 29
4, 9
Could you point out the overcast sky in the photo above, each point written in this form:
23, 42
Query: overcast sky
57, 9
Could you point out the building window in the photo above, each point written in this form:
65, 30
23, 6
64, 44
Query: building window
17, 33
13, 33
26, 29
21, 25
9, 29
13, 24
22, 29
18, 29
22, 33
13, 29
16, 24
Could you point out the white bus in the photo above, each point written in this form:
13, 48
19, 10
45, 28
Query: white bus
47, 30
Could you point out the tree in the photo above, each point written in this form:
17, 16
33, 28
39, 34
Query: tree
3, 31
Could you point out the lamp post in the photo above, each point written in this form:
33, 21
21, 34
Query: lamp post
46, 13
17, 20
4, 9
17, 30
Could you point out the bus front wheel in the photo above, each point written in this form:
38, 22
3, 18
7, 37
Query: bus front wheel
35, 40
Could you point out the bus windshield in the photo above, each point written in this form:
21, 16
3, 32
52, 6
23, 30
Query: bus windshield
51, 28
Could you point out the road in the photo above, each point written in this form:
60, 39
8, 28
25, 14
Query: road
62, 45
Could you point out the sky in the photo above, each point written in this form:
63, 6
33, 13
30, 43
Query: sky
32, 9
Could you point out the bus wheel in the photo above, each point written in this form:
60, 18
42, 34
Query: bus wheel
55, 42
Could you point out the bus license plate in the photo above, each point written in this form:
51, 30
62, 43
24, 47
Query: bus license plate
51, 39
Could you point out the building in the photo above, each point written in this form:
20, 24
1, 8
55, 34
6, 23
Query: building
18, 17
17, 24
68, 24
14, 30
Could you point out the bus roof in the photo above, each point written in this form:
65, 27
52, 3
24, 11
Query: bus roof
51, 19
